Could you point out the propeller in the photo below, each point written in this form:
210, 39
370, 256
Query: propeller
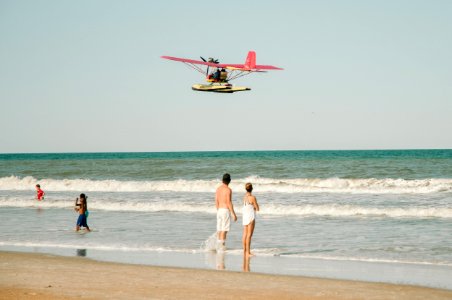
211, 60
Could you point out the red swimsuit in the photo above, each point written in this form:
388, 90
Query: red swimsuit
40, 194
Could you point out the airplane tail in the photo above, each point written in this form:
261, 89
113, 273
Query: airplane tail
250, 62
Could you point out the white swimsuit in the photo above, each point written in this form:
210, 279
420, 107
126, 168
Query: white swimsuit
247, 211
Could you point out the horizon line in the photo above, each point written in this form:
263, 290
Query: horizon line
211, 151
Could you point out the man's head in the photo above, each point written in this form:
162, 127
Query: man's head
226, 178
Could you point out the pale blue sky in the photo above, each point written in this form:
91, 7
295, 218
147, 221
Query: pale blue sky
81, 76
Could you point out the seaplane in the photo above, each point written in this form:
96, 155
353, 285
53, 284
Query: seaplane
218, 75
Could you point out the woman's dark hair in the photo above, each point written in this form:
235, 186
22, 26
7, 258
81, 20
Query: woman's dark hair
249, 187
226, 178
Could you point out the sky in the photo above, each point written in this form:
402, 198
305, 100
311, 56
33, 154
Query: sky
86, 76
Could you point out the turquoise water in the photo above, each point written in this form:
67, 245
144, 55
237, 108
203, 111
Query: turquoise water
375, 207
406, 164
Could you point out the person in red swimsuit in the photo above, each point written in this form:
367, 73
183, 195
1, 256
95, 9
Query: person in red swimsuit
39, 193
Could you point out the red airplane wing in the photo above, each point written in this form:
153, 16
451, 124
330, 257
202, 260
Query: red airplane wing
192, 61
250, 63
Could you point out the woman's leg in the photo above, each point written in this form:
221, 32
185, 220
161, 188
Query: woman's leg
244, 237
249, 234
252, 225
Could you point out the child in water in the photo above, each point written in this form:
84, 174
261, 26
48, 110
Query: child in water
82, 208
39, 193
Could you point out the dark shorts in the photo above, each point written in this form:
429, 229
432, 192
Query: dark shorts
81, 221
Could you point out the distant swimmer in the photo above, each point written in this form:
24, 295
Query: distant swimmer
223, 203
81, 206
250, 207
39, 193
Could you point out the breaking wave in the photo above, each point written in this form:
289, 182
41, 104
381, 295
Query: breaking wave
304, 210
299, 185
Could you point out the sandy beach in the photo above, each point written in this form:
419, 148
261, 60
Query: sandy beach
40, 276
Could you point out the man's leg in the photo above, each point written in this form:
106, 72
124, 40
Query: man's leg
221, 240
223, 235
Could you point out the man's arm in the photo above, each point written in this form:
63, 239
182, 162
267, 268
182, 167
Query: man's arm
231, 207
216, 200
76, 204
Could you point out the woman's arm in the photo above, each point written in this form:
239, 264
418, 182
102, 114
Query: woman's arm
256, 206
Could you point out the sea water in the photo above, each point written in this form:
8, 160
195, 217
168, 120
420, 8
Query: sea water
370, 215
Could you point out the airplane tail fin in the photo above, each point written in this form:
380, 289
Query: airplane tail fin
250, 62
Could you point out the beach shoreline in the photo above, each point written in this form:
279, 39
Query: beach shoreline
423, 275
43, 276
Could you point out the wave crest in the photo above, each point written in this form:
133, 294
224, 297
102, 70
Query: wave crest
305, 210
265, 185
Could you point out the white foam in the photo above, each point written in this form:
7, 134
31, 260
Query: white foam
337, 210
302, 210
210, 244
96, 247
261, 185
109, 205
364, 259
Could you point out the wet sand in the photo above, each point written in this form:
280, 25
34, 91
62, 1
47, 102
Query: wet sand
40, 276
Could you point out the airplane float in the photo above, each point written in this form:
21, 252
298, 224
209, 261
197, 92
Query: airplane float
221, 74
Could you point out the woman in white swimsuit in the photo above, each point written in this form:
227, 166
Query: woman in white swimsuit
250, 206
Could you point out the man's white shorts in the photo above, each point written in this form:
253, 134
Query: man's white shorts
223, 219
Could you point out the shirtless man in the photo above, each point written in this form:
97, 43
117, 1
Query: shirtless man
82, 208
223, 202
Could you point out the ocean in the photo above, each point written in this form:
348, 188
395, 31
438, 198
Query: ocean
367, 215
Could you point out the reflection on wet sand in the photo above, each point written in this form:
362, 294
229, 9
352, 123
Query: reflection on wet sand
217, 260
81, 252
246, 263
220, 261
